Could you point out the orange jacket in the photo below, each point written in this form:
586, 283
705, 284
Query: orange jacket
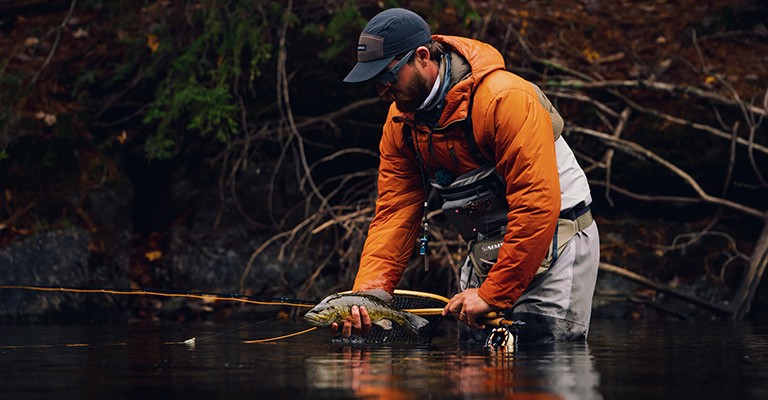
510, 127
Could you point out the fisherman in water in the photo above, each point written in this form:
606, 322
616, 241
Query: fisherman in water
489, 143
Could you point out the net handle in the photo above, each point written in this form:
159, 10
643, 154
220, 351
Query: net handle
422, 294
424, 311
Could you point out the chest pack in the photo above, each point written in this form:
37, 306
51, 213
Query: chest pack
475, 202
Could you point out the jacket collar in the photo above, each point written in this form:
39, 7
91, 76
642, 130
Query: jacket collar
471, 61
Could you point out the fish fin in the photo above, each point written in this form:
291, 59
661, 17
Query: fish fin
380, 294
327, 299
415, 323
384, 323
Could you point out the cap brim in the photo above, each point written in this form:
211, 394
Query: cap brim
364, 71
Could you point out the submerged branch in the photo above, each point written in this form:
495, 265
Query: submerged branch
716, 308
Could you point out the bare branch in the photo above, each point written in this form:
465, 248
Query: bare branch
660, 86
609, 154
641, 152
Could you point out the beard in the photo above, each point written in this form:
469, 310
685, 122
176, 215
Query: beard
414, 93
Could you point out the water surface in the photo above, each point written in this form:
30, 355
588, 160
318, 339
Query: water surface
622, 360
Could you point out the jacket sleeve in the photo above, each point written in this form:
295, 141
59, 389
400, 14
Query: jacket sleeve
394, 228
519, 130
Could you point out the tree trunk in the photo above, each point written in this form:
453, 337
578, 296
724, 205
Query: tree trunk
743, 298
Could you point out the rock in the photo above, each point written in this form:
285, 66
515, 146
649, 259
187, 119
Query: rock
52, 258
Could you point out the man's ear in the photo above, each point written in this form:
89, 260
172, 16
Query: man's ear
422, 56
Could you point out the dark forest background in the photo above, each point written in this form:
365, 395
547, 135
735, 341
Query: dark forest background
211, 146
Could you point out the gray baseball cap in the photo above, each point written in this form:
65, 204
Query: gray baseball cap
389, 33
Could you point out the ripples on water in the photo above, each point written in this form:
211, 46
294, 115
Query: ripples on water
621, 361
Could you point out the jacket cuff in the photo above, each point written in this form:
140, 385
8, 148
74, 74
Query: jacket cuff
492, 301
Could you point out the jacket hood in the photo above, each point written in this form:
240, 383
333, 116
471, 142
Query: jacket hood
483, 59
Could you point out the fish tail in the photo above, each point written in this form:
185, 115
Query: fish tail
415, 324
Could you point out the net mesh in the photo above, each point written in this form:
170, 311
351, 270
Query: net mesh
403, 300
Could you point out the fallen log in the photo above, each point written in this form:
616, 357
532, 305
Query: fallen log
659, 287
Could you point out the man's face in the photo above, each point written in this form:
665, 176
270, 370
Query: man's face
410, 90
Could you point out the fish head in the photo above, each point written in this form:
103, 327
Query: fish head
322, 315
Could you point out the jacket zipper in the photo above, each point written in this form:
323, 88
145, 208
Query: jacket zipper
453, 156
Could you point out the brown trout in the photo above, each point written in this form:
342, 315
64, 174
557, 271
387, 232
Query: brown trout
338, 307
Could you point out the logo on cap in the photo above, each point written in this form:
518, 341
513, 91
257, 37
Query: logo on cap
372, 47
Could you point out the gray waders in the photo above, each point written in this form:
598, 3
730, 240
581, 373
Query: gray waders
557, 304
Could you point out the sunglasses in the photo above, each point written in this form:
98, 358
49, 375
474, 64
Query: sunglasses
389, 77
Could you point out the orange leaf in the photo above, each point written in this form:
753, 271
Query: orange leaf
153, 255
122, 137
153, 42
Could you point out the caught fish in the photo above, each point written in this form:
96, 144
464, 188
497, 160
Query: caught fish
338, 307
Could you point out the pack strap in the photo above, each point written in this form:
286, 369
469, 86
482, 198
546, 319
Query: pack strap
570, 222
469, 136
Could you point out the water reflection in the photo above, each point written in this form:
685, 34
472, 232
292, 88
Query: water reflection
624, 360
352, 370
561, 371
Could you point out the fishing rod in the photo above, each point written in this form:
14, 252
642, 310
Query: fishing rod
259, 300
492, 318
500, 333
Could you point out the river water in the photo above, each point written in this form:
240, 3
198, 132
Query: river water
622, 360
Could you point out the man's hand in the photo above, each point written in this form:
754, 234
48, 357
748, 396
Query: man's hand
358, 323
467, 307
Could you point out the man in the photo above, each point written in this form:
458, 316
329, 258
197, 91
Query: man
489, 142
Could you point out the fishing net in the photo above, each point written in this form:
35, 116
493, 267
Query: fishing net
408, 301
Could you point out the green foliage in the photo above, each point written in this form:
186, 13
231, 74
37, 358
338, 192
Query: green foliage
11, 87
210, 110
465, 11
341, 32
199, 91
391, 4
158, 147
10, 81
84, 79
465, 15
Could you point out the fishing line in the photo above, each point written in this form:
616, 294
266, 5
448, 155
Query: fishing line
265, 301
272, 301
280, 337
193, 340
42, 346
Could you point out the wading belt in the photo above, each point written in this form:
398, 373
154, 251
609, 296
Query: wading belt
484, 252
580, 215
